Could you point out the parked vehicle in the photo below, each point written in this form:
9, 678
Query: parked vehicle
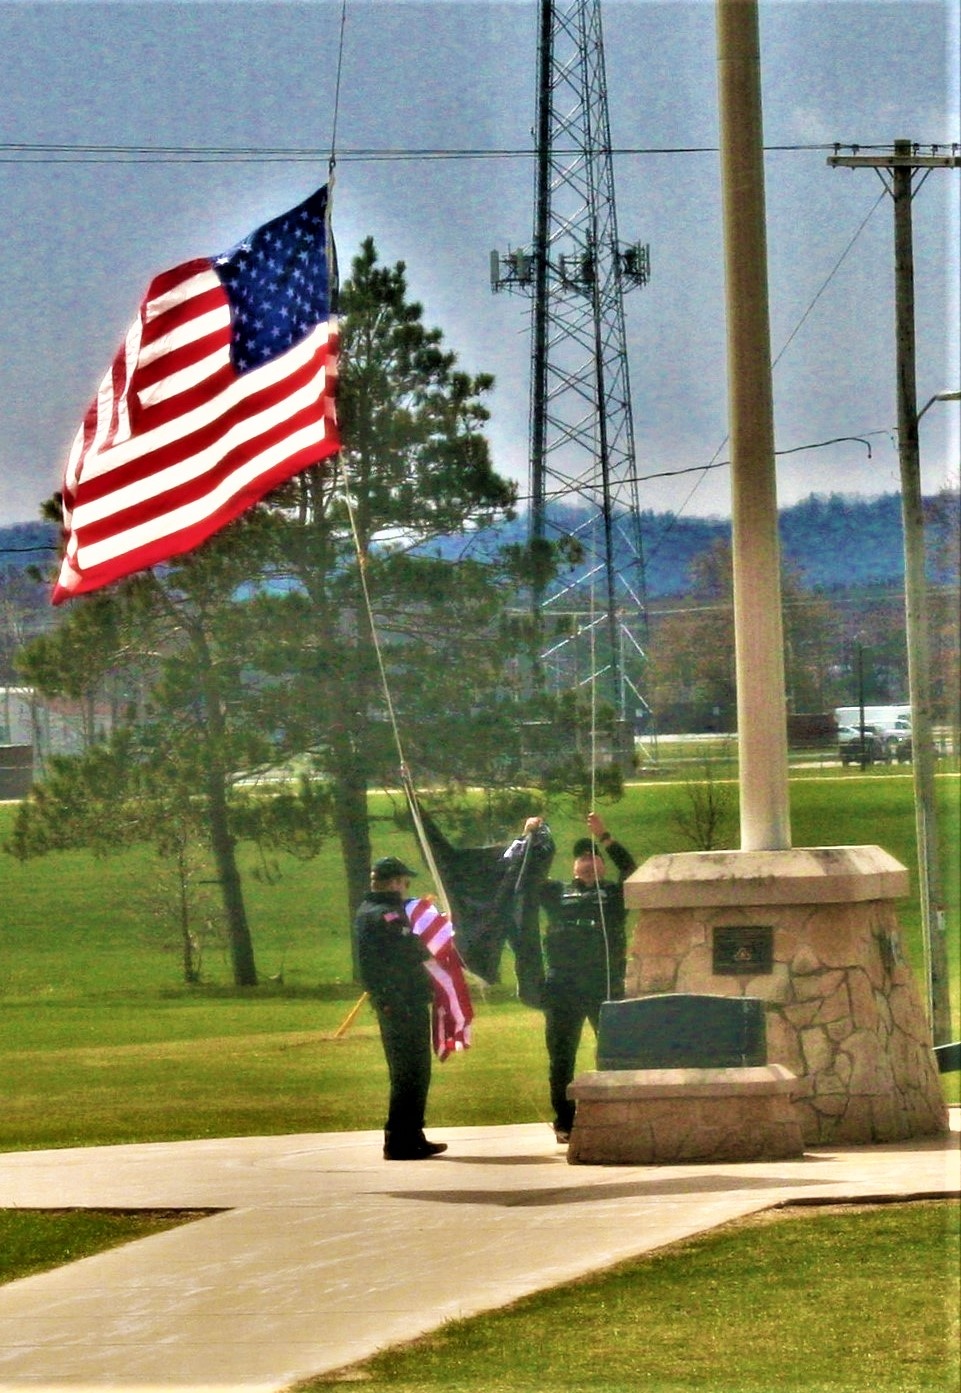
853, 748
904, 749
901, 740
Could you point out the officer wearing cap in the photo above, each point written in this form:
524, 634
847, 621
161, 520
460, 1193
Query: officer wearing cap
585, 950
392, 969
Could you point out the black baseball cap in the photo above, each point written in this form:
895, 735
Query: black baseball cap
585, 846
389, 866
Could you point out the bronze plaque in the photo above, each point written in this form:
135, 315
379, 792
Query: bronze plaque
748, 950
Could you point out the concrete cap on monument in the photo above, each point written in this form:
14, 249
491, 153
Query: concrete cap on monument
800, 875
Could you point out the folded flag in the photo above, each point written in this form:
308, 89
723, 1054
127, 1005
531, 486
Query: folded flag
452, 1010
223, 389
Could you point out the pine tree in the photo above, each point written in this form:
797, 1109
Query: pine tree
416, 468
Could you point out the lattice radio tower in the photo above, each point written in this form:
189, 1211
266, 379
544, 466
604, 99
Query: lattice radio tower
582, 467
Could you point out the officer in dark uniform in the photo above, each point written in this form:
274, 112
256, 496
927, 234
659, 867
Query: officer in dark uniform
392, 959
585, 948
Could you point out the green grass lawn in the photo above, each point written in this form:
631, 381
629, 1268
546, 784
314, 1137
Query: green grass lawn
101, 1041
834, 1302
75, 926
34, 1241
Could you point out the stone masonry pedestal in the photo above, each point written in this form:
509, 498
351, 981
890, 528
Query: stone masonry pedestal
647, 1117
814, 932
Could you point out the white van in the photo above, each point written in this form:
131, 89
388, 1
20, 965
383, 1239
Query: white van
883, 719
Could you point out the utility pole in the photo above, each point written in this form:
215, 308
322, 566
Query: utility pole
897, 172
862, 729
582, 463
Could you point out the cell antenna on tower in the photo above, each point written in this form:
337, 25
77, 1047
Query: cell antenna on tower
583, 486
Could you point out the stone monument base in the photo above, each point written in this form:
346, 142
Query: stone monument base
663, 1116
813, 932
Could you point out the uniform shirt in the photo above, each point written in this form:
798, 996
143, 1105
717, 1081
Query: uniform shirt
390, 955
579, 919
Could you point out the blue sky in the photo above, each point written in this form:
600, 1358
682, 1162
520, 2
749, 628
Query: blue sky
81, 234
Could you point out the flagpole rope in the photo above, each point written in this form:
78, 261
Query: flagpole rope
365, 591
340, 66
406, 781
593, 615
593, 776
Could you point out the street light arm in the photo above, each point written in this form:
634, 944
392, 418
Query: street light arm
947, 395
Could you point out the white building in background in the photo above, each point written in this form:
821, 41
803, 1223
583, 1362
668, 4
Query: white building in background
16, 725
48, 726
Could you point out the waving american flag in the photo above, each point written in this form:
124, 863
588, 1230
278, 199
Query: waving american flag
223, 389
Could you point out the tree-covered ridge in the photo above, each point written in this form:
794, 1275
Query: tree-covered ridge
832, 541
837, 540
27, 544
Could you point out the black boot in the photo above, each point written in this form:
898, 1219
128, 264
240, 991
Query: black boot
416, 1148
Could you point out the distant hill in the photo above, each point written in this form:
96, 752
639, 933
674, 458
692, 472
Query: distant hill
840, 540
27, 544
836, 541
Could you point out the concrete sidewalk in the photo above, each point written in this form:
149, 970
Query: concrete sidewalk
321, 1253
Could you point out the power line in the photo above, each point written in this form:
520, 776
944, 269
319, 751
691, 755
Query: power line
833, 272
23, 152
864, 439
714, 463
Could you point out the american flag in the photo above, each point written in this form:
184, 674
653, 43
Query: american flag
223, 389
452, 1011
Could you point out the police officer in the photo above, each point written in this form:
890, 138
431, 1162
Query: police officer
392, 959
585, 949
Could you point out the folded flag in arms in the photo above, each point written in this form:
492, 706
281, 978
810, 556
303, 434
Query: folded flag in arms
223, 389
452, 1010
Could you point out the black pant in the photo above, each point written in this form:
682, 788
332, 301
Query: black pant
406, 1037
565, 1011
